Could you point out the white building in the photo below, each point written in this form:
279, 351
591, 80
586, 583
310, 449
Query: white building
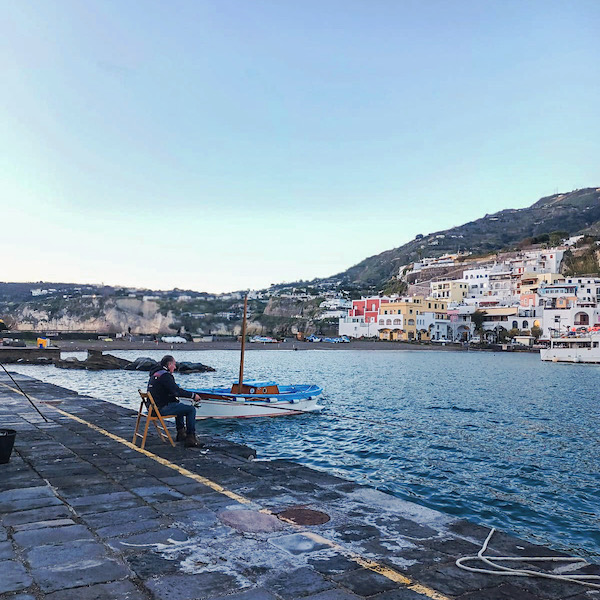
336, 304
333, 314
588, 288
356, 327
503, 287
439, 329
478, 281
462, 326
558, 321
537, 261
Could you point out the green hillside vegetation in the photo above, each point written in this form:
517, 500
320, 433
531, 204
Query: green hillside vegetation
582, 261
546, 221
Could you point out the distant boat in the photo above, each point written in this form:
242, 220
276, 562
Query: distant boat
580, 348
262, 339
257, 399
337, 340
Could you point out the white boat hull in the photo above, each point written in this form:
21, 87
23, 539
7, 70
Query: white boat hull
577, 349
570, 355
243, 408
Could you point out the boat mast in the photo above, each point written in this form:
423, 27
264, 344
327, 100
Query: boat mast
241, 379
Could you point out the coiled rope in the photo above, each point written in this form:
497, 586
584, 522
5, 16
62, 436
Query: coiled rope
502, 570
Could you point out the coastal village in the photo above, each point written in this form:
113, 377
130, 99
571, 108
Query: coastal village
520, 297
523, 297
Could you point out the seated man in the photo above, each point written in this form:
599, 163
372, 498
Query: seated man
165, 392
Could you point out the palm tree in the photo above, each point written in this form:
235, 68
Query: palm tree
477, 318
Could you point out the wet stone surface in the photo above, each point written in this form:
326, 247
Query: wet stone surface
250, 521
85, 517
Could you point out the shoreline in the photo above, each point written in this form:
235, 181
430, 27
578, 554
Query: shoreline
99, 345
12, 354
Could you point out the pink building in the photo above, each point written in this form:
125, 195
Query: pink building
367, 308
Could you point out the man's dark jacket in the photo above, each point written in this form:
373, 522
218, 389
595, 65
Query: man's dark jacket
163, 388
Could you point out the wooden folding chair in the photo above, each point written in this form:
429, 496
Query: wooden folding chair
152, 416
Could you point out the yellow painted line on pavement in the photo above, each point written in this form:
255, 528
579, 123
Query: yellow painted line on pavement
181, 470
387, 572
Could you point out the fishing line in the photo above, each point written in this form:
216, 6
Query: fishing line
24, 394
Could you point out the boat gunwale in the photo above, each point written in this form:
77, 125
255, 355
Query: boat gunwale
300, 394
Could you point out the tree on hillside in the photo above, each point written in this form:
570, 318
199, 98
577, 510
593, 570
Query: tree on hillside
556, 237
395, 286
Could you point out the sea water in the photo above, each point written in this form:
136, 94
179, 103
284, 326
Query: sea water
500, 439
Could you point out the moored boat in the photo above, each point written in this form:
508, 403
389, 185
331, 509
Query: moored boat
257, 399
582, 348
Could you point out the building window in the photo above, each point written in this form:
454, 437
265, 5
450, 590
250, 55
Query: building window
525, 325
381, 322
388, 322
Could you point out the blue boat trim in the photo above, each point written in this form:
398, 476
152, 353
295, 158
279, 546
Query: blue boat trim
287, 393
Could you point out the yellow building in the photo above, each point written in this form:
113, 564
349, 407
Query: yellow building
451, 290
410, 318
531, 281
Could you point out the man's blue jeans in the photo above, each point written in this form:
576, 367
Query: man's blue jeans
181, 410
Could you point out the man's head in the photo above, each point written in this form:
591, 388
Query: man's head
168, 363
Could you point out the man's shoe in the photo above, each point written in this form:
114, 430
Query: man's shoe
192, 442
181, 435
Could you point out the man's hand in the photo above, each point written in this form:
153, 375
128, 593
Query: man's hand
197, 397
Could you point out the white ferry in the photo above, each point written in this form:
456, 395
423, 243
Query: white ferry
582, 348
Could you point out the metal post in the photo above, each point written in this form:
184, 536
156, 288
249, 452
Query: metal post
241, 378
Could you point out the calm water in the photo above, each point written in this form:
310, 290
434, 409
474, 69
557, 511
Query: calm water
500, 439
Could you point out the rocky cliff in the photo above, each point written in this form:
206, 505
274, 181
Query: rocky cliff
104, 315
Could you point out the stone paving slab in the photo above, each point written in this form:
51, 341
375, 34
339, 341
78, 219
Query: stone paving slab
14, 576
121, 590
83, 516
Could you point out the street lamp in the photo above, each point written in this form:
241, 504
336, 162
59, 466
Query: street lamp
558, 320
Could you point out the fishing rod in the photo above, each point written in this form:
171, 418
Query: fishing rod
24, 394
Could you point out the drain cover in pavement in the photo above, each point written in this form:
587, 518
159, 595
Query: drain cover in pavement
304, 516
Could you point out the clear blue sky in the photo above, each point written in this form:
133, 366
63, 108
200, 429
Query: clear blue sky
220, 145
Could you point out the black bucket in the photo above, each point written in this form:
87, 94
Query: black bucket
7, 441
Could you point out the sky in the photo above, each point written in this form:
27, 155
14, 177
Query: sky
231, 144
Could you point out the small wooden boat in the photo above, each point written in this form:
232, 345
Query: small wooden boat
255, 398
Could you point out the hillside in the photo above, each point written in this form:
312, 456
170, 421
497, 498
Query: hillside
572, 213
